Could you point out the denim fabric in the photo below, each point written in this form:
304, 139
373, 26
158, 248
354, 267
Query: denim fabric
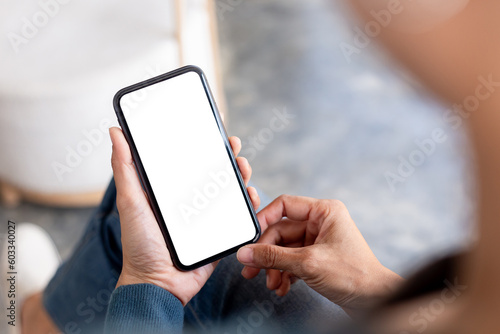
78, 294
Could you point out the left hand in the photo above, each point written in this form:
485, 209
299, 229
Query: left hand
146, 258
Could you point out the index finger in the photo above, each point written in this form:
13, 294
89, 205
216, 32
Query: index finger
293, 207
284, 233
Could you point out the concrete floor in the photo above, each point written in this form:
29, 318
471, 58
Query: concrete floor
351, 124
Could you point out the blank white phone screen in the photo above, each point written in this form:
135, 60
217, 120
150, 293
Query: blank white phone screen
188, 167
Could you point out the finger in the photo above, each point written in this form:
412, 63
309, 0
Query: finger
273, 238
254, 197
293, 207
245, 169
273, 279
235, 145
127, 182
285, 233
249, 272
284, 288
272, 257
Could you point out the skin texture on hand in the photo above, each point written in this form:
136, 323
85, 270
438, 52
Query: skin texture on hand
146, 258
318, 242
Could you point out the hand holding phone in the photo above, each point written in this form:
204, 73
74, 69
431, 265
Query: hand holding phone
186, 167
146, 258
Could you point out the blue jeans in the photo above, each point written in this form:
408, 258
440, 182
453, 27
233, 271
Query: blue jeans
78, 294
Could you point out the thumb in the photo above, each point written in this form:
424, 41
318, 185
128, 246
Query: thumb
272, 257
127, 182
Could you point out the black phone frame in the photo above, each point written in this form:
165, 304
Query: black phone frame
144, 178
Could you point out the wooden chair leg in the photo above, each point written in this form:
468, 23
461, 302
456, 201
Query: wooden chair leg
9, 195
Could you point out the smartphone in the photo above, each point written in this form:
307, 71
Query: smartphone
187, 167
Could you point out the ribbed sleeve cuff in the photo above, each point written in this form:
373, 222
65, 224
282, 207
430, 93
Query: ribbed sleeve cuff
145, 309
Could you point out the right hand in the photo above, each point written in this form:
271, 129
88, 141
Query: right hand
319, 243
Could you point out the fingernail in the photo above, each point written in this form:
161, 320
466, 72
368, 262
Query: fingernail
245, 255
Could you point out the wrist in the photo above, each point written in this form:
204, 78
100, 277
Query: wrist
385, 283
126, 279
382, 283
390, 282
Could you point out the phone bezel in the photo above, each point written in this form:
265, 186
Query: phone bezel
144, 178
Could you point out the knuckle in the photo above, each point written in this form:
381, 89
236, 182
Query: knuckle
310, 261
332, 208
284, 197
270, 257
337, 205
322, 209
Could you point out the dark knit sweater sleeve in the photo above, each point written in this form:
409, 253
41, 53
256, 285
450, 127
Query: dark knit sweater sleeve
145, 309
